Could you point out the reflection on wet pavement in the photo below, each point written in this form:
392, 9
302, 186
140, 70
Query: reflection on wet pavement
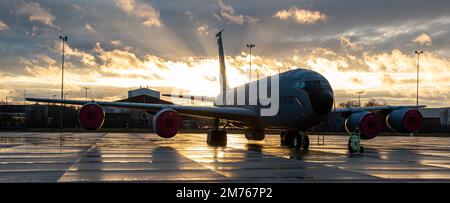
69, 157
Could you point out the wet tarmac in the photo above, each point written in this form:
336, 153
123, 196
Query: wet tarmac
129, 157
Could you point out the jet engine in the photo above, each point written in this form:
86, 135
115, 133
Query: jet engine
167, 123
370, 124
404, 120
91, 116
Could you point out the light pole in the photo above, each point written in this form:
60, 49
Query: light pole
86, 88
359, 92
64, 40
250, 46
418, 66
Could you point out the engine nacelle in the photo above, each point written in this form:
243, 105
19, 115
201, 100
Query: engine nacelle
404, 120
167, 123
370, 124
91, 116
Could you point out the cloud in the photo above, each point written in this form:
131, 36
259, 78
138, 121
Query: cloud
374, 46
301, 16
228, 13
78, 8
325, 61
46, 59
118, 69
203, 29
118, 61
35, 12
389, 75
85, 58
423, 39
116, 42
398, 62
356, 81
346, 43
142, 10
3, 26
89, 28
387, 79
189, 14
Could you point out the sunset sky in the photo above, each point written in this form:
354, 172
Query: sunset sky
117, 45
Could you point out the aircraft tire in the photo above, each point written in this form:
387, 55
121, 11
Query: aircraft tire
254, 135
297, 141
283, 139
216, 138
350, 150
287, 138
305, 142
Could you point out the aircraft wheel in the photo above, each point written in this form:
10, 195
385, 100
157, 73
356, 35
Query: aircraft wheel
350, 149
297, 141
305, 142
216, 138
287, 138
254, 135
283, 139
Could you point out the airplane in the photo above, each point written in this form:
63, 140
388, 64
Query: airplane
305, 101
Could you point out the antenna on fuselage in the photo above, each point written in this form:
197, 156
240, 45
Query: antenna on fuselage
223, 72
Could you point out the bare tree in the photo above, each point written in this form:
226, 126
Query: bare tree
373, 102
346, 104
351, 103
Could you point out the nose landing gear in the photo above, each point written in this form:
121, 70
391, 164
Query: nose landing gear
354, 146
294, 139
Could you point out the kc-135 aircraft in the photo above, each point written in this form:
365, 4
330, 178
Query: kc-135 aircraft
305, 101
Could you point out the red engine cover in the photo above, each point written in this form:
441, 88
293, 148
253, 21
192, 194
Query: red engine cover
404, 120
167, 123
91, 116
371, 125
412, 120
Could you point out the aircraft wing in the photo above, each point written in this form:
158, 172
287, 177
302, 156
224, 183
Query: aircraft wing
371, 108
191, 97
226, 113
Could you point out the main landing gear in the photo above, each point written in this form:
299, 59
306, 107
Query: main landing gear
295, 139
217, 138
257, 135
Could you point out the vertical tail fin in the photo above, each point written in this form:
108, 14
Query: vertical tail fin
223, 72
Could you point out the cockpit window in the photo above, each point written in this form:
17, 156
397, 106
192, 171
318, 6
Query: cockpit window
301, 84
312, 84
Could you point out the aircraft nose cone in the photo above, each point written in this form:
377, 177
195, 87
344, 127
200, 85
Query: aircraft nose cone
321, 101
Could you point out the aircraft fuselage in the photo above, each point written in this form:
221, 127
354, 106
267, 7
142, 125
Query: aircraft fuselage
305, 98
